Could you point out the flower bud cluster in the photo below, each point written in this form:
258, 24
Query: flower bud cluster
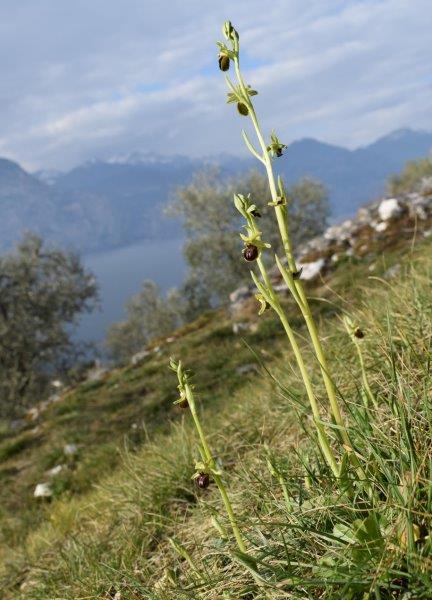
276, 147
183, 379
252, 240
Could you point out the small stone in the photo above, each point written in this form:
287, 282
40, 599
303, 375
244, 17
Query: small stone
33, 413
55, 470
389, 209
380, 227
312, 270
392, 271
139, 356
246, 369
70, 449
43, 490
240, 294
239, 327
97, 372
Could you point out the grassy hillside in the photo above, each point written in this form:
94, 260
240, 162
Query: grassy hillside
128, 491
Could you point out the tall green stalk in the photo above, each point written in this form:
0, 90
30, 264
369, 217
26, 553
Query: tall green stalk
208, 464
356, 336
269, 296
242, 94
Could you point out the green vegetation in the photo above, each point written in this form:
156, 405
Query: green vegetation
410, 178
139, 451
148, 316
322, 484
212, 254
42, 292
210, 222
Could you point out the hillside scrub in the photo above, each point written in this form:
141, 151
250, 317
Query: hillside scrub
43, 291
148, 315
296, 484
411, 177
212, 254
210, 221
360, 462
292, 513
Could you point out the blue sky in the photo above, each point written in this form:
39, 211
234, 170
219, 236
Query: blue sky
98, 78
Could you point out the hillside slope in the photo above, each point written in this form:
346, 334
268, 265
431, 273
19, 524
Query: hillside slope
126, 487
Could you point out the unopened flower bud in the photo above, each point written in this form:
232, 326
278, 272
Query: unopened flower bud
250, 253
229, 32
224, 62
203, 481
243, 109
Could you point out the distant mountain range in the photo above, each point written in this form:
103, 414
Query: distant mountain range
102, 205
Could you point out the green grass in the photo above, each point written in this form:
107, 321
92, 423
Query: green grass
130, 488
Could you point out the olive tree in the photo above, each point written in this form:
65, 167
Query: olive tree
411, 176
43, 291
210, 221
148, 316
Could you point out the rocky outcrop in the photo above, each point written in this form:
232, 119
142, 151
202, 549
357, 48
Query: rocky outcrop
375, 227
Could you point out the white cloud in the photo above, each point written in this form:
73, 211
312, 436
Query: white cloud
94, 79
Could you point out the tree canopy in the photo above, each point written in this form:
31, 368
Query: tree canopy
43, 291
212, 224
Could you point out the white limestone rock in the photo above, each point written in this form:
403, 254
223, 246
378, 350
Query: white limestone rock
70, 449
139, 356
246, 369
43, 490
379, 226
311, 270
55, 470
419, 206
392, 271
390, 209
240, 294
33, 413
238, 327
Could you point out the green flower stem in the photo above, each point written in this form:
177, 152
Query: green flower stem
369, 394
281, 216
210, 460
322, 436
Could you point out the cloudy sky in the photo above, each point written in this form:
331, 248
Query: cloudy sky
97, 78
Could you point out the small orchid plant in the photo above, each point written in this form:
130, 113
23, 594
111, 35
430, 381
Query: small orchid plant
242, 94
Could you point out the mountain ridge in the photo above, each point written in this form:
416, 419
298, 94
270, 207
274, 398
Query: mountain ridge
106, 204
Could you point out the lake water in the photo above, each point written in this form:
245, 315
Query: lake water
120, 274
